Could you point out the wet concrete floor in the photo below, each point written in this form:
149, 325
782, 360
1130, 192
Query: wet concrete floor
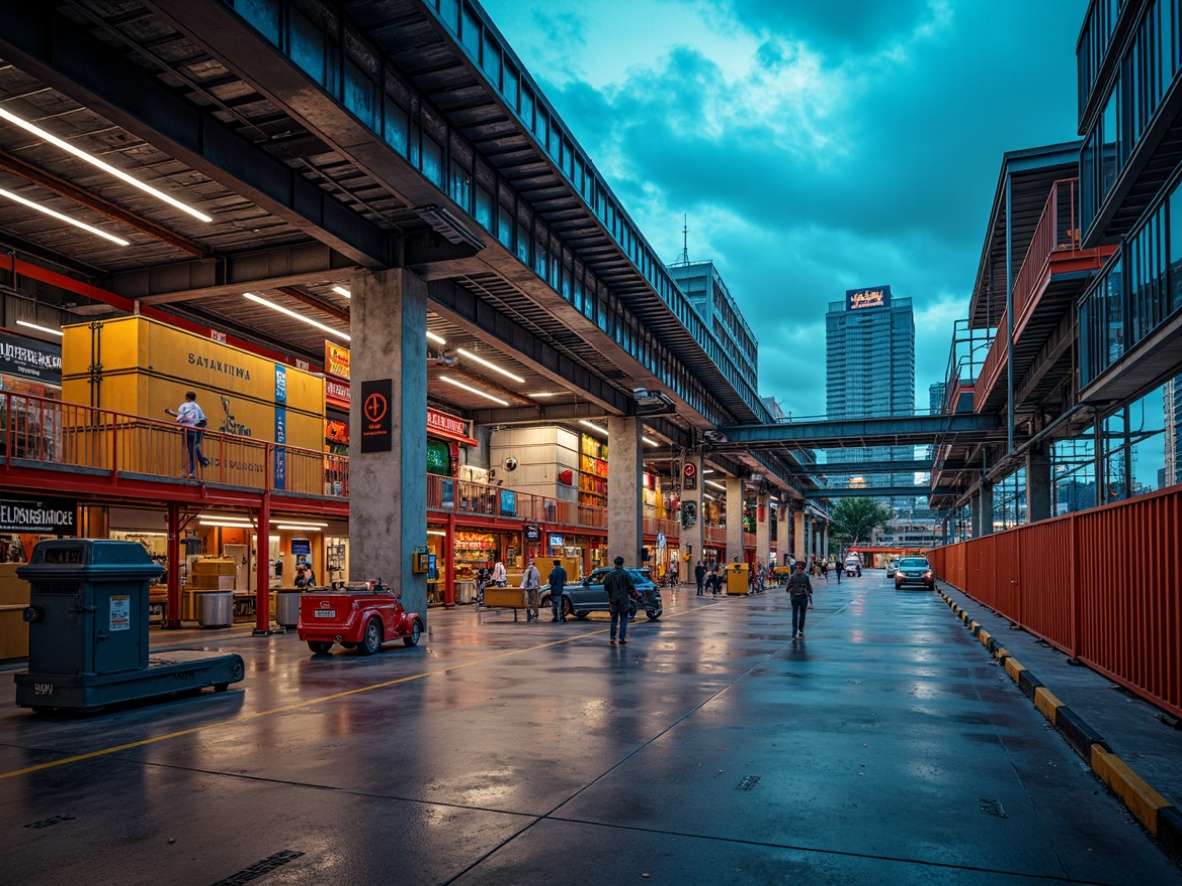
886, 746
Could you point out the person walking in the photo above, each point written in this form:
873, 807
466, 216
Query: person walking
800, 591
190, 415
620, 590
531, 580
714, 581
482, 579
498, 574
557, 580
304, 577
700, 576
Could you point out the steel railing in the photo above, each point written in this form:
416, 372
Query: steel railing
1104, 586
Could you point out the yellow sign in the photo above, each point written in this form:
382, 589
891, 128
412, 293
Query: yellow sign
336, 360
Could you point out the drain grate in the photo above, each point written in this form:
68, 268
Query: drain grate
748, 783
993, 807
49, 822
256, 870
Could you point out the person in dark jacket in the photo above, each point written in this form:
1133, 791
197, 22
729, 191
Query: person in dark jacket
620, 590
700, 575
800, 590
557, 580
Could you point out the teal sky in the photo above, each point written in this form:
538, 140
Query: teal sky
815, 145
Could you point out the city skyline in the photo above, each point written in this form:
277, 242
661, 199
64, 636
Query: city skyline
799, 144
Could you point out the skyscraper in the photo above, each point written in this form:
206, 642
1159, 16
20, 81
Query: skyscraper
870, 372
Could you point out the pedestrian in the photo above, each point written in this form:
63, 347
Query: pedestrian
840, 567
304, 577
482, 579
620, 591
800, 591
700, 576
713, 581
190, 415
825, 569
557, 580
498, 574
531, 580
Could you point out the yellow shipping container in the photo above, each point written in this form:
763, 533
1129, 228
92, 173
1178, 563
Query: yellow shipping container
147, 367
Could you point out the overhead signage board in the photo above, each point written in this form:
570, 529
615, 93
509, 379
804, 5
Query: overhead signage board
44, 516
336, 360
874, 297
30, 358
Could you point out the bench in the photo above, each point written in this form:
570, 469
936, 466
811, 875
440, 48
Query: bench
508, 598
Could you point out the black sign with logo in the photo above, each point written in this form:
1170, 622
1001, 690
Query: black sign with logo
377, 422
44, 516
532, 533
29, 358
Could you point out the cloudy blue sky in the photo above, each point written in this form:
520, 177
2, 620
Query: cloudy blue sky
815, 145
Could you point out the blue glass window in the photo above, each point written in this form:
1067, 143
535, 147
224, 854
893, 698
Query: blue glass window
263, 16
361, 95
432, 160
397, 129
305, 45
484, 208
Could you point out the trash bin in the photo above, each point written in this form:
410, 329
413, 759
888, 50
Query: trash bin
287, 607
215, 609
88, 606
736, 579
465, 591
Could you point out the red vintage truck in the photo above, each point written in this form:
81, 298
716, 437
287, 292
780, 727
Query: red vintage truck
358, 616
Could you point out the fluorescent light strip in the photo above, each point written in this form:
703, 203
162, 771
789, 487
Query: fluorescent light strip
64, 218
494, 367
436, 532
294, 315
298, 528
341, 290
56, 332
105, 167
716, 485
226, 525
596, 428
438, 339
299, 525
547, 394
650, 442
452, 381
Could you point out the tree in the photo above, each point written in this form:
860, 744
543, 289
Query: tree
855, 519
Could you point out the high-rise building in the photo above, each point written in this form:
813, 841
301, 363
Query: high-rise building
706, 291
1172, 406
870, 372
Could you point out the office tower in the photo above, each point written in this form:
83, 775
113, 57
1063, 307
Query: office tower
870, 372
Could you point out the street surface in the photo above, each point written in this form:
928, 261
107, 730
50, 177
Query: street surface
885, 747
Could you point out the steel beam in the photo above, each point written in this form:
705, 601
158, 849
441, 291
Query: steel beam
865, 467
907, 430
877, 492
43, 42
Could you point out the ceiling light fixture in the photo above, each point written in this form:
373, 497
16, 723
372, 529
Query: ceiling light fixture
596, 428
294, 527
295, 524
105, 167
225, 524
56, 332
438, 339
341, 290
547, 394
90, 229
436, 532
294, 315
458, 384
494, 367
716, 485
650, 442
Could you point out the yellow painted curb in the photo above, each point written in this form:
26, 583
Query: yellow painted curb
1013, 668
973, 626
984, 637
1142, 800
1001, 652
1046, 702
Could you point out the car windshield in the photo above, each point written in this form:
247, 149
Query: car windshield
915, 563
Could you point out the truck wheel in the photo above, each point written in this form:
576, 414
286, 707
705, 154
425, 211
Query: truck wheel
319, 647
371, 640
416, 631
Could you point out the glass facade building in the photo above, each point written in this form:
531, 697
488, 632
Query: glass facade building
870, 372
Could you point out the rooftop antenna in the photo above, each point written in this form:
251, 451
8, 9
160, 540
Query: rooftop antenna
683, 259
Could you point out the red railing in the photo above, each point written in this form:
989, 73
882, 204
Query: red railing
1057, 232
105, 442
1104, 586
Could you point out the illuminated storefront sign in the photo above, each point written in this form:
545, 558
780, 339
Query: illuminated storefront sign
29, 358
336, 393
875, 297
46, 515
450, 427
336, 361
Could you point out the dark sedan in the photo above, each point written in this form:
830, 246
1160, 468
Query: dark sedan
581, 598
914, 571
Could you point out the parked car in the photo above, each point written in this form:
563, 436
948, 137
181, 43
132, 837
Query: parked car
581, 598
358, 617
853, 566
892, 567
915, 571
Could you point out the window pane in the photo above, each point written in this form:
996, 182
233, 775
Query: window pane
263, 15
397, 132
432, 160
360, 94
306, 45
484, 208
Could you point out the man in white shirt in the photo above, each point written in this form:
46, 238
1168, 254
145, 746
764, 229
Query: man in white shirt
190, 415
532, 582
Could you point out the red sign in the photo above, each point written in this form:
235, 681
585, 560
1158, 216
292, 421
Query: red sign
450, 427
336, 360
337, 432
337, 393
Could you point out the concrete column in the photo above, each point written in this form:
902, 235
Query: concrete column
388, 490
810, 528
692, 521
783, 531
1038, 484
824, 552
986, 503
625, 510
763, 529
798, 531
734, 519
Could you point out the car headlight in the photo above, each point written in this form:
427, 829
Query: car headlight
928, 574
